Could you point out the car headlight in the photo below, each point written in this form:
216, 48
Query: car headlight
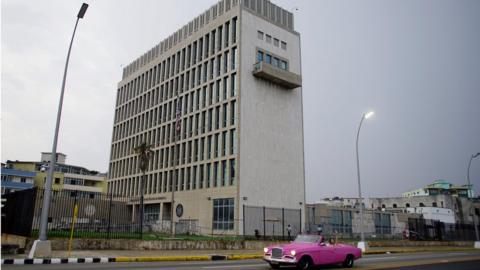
293, 252
265, 250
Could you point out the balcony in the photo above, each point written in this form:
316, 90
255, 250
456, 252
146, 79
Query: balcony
276, 75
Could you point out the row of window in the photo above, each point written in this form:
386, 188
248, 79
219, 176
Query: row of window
199, 124
272, 60
207, 175
180, 84
268, 39
210, 44
189, 103
182, 34
210, 147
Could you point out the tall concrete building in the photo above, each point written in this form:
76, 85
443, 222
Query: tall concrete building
229, 82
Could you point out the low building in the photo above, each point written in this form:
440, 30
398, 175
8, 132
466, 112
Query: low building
13, 179
442, 187
434, 213
345, 222
343, 202
66, 177
461, 207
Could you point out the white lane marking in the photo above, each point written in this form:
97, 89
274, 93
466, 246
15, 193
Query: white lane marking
233, 266
379, 258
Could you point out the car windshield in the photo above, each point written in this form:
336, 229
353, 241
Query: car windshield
301, 238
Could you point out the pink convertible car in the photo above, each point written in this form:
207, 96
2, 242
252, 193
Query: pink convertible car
308, 251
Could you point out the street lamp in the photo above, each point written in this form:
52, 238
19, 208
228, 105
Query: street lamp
361, 244
42, 247
477, 242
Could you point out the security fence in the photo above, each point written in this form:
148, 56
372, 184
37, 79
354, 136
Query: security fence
427, 229
268, 222
345, 223
98, 215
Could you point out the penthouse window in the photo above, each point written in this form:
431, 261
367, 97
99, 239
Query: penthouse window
260, 35
273, 60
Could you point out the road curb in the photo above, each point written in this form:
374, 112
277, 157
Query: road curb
115, 259
386, 251
213, 257
58, 260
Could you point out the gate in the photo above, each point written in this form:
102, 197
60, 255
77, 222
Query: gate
18, 211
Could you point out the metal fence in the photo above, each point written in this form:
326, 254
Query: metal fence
416, 229
268, 222
98, 215
426, 229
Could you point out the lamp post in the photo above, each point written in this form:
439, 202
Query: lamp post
477, 242
42, 247
361, 244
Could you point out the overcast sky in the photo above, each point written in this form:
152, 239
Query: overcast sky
415, 63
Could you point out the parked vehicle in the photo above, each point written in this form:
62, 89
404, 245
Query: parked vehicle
308, 251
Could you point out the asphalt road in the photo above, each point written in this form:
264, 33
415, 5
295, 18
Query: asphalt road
438, 260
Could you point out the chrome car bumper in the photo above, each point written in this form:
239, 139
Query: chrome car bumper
280, 261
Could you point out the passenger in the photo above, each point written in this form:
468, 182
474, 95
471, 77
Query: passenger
331, 241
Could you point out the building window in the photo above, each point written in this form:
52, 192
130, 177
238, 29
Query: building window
260, 35
268, 58
223, 214
275, 62
232, 171
382, 223
259, 56
284, 45
268, 38
275, 42
341, 221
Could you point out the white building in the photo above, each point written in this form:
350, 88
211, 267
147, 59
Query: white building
235, 72
434, 213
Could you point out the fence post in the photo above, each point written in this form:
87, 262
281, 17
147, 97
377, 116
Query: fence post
74, 206
109, 216
243, 206
283, 223
300, 221
264, 228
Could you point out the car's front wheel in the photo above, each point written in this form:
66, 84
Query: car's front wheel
348, 263
305, 263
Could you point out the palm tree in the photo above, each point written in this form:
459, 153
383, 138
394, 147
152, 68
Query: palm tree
144, 152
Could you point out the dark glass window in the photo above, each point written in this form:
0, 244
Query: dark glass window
259, 56
223, 213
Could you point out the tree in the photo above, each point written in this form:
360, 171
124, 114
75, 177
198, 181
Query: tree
144, 151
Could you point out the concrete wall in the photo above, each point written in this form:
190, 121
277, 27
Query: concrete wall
271, 123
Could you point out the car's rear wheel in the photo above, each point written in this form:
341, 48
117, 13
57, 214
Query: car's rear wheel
348, 263
305, 263
275, 266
